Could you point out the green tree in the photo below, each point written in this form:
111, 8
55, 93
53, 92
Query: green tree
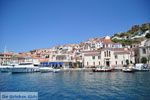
116, 34
122, 34
115, 40
144, 60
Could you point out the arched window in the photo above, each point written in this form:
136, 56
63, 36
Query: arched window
107, 53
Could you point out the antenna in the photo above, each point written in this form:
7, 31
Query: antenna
5, 50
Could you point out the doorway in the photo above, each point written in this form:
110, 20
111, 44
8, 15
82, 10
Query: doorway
107, 63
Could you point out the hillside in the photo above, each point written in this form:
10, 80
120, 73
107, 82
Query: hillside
135, 34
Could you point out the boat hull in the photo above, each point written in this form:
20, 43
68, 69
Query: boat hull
128, 70
5, 68
103, 70
45, 70
56, 70
24, 70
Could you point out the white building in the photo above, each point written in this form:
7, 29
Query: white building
111, 57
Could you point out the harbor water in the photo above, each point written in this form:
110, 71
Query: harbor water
79, 85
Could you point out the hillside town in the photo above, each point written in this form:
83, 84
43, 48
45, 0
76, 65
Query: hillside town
94, 52
121, 49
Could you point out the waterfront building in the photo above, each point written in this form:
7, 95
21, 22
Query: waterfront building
111, 57
107, 43
107, 56
143, 51
5, 58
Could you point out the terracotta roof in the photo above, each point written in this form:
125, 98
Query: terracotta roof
106, 41
92, 52
119, 52
44, 60
132, 55
5, 53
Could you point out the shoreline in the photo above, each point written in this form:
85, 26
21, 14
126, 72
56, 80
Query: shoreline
90, 70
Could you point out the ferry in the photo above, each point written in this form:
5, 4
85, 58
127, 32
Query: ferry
5, 68
25, 67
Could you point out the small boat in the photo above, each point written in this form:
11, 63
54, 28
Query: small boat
90, 72
140, 67
25, 67
46, 69
56, 70
128, 70
103, 69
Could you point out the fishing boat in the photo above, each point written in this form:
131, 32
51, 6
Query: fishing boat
103, 69
25, 67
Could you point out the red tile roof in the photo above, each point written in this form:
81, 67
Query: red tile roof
106, 41
132, 55
92, 52
123, 51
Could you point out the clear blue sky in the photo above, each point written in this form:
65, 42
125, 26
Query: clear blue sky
29, 24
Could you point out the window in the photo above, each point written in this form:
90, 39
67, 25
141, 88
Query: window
99, 62
116, 57
93, 63
99, 57
87, 63
93, 57
105, 54
109, 54
122, 62
116, 62
144, 51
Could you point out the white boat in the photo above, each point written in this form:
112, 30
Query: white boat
24, 68
56, 70
46, 69
5, 68
126, 69
140, 67
103, 69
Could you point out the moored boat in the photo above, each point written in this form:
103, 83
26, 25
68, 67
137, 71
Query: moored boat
25, 67
5, 68
56, 70
46, 69
103, 69
128, 70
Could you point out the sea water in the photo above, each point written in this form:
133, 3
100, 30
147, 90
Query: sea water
80, 85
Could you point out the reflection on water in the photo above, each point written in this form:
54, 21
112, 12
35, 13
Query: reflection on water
79, 85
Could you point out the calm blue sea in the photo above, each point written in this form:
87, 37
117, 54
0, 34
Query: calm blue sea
80, 85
